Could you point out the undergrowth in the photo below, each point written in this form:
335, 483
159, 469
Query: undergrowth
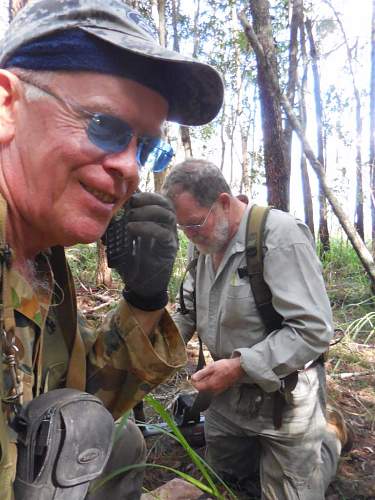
353, 309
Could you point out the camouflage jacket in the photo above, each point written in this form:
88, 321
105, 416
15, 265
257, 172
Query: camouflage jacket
119, 363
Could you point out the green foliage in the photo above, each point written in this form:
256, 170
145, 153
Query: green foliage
345, 278
82, 260
210, 479
208, 475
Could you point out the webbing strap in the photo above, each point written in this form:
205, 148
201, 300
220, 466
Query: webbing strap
67, 318
7, 320
182, 309
254, 256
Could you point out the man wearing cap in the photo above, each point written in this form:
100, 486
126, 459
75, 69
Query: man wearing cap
84, 91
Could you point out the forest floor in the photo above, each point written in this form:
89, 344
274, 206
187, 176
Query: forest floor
351, 384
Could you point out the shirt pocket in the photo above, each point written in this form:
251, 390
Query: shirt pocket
238, 311
240, 291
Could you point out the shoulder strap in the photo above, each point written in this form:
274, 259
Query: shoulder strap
254, 257
67, 317
189, 268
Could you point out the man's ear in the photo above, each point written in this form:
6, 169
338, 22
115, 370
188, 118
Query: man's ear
9, 97
225, 201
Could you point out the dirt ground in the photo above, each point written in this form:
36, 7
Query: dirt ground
354, 395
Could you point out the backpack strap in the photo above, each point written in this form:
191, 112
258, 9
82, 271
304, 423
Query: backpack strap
263, 299
8, 347
190, 267
254, 257
67, 317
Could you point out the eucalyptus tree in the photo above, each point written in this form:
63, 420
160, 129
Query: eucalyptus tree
14, 6
358, 244
305, 179
276, 165
372, 128
359, 216
323, 224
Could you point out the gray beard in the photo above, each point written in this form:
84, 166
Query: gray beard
29, 271
219, 239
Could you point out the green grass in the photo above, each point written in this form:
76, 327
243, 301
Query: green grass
344, 275
209, 479
82, 261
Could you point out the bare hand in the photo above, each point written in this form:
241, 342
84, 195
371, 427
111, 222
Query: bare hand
218, 376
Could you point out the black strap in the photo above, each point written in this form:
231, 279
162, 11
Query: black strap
183, 309
254, 256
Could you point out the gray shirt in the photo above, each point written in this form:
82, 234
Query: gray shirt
226, 317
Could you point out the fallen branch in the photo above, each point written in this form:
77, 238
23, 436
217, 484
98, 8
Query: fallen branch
100, 306
358, 245
343, 376
363, 346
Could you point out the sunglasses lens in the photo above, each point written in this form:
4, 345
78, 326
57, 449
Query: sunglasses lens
114, 135
154, 154
109, 133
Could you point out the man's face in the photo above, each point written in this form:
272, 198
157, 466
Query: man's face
211, 234
63, 187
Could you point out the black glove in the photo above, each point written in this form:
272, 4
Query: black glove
148, 243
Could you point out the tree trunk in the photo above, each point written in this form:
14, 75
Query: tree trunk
103, 273
358, 245
160, 4
222, 135
372, 128
306, 188
297, 20
277, 171
184, 131
359, 224
14, 6
323, 225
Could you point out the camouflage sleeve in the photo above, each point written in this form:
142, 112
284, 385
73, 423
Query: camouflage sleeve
124, 364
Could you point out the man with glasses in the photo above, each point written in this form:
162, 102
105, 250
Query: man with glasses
294, 456
84, 93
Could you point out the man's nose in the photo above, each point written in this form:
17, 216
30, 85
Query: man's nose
124, 163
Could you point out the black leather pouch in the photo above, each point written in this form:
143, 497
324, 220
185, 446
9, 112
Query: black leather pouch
64, 442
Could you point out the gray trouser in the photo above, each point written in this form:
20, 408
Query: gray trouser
129, 449
297, 462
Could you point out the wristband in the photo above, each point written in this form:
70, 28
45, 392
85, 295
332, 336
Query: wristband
153, 303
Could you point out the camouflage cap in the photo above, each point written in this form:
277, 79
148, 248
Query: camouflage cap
197, 87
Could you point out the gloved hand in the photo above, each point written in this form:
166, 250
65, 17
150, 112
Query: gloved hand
149, 249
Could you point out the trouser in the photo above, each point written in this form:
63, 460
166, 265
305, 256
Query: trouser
296, 462
128, 449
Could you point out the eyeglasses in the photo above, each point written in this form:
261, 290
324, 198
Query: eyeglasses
196, 227
113, 135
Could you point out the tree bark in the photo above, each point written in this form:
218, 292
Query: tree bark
160, 4
184, 131
277, 171
306, 188
103, 272
296, 21
372, 128
222, 135
323, 225
358, 245
359, 222
14, 6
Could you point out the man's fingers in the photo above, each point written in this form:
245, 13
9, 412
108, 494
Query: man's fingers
202, 374
151, 230
144, 199
151, 213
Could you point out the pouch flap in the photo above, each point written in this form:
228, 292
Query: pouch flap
87, 444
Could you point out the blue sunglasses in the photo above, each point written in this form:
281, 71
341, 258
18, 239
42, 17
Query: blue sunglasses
113, 135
